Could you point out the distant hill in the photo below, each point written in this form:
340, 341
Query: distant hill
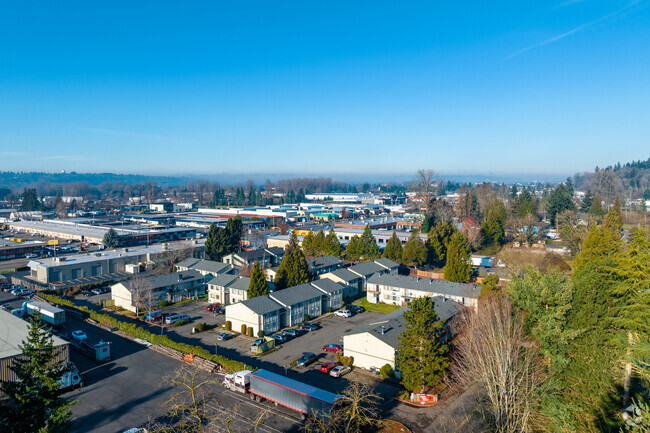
16, 180
631, 180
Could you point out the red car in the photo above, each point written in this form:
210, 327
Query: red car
333, 348
212, 307
326, 367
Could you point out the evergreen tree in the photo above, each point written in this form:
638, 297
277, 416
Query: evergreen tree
234, 229
217, 243
614, 219
559, 200
513, 191
524, 204
393, 249
35, 395
291, 197
585, 206
30, 201
422, 357
332, 244
308, 244
369, 248
293, 269
596, 209
111, 240
468, 206
251, 196
300, 197
257, 285
492, 227
354, 249
415, 251
425, 225
439, 238
459, 266
318, 245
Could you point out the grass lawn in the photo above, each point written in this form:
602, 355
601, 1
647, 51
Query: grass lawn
380, 308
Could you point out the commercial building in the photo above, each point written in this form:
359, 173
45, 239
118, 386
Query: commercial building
83, 231
13, 331
18, 250
60, 271
147, 293
400, 290
376, 343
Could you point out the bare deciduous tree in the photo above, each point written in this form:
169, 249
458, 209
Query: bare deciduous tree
425, 185
492, 351
142, 294
187, 410
355, 411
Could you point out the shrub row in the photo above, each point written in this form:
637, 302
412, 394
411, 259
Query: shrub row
137, 332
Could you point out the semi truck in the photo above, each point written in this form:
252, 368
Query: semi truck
49, 313
263, 385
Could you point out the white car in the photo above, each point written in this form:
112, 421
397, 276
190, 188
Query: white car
339, 371
79, 335
22, 292
343, 313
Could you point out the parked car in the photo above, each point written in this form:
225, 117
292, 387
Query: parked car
333, 348
4, 308
355, 309
212, 307
340, 370
31, 256
153, 316
97, 291
291, 332
307, 326
219, 310
343, 313
326, 367
79, 335
280, 338
224, 336
23, 292
173, 318
306, 359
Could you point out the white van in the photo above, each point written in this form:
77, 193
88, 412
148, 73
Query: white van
170, 320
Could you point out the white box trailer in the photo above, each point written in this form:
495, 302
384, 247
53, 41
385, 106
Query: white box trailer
49, 313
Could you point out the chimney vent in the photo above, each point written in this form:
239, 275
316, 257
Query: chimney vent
383, 329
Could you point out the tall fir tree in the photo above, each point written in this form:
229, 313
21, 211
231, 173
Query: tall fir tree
587, 201
354, 248
438, 241
307, 244
293, 269
319, 244
332, 244
596, 208
369, 248
393, 249
415, 251
422, 357
459, 266
258, 285
35, 398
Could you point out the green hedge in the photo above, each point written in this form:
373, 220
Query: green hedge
137, 332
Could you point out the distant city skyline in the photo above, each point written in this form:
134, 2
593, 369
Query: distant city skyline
371, 88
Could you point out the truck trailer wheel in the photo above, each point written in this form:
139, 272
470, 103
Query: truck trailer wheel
258, 398
275, 403
252, 396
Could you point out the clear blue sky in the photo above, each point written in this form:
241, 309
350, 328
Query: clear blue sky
158, 87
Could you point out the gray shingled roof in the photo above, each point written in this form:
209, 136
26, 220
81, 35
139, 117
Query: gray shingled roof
328, 285
165, 280
387, 263
222, 280
187, 263
276, 251
393, 323
367, 268
262, 304
427, 285
210, 266
345, 275
323, 262
241, 284
296, 294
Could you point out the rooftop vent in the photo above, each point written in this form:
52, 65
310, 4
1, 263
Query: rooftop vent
383, 329
126, 250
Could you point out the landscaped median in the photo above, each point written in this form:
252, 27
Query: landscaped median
137, 332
